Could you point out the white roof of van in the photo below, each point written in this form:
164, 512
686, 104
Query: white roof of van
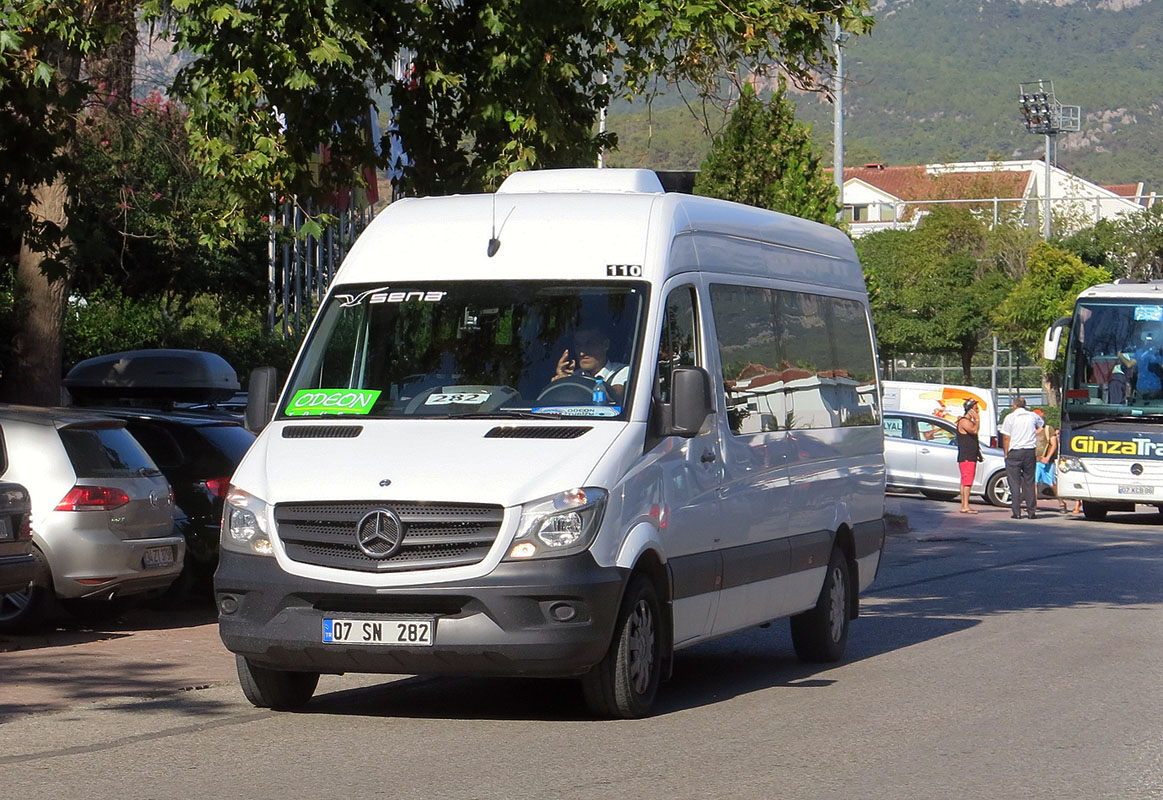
1148, 290
610, 217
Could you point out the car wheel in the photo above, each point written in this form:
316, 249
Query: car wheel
624, 683
25, 611
276, 689
934, 495
821, 634
1093, 510
997, 490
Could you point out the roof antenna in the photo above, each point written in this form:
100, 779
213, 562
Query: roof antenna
494, 242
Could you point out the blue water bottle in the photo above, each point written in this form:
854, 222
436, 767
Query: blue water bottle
600, 392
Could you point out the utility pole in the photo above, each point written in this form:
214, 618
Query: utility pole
838, 120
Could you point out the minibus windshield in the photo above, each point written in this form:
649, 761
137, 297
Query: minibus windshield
1114, 364
498, 349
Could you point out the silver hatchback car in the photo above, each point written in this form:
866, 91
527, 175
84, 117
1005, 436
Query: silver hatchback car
920, 454
102, 513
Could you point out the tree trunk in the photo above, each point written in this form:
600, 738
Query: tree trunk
34, 377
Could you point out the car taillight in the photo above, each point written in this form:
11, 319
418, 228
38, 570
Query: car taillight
24, 533
218, 486
93, 498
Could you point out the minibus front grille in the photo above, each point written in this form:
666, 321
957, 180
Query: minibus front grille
537, 432
436, 535
322, 431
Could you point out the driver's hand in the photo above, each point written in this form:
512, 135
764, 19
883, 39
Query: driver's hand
565, 366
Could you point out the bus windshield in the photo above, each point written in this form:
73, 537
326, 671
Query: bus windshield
496, 349
1114, 363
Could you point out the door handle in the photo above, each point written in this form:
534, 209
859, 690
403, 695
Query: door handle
707, 457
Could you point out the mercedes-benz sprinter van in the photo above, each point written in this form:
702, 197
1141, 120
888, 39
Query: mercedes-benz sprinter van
561, 430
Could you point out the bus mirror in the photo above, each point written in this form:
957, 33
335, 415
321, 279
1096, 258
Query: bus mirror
260, 398
1054, 338
691, 402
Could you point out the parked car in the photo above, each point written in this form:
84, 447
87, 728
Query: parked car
17, 563
920, 454
197, 452
102, 513
153, 392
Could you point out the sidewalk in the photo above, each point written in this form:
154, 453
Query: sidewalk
145, 653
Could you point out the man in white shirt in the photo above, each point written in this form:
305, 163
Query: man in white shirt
588, 357
1019, 439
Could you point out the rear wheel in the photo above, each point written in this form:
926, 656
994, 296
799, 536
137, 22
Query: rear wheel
277, 689
821, 634
624, 683
1093, 510
997, 490
26, 611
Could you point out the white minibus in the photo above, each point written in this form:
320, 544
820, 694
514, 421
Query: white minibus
565, 429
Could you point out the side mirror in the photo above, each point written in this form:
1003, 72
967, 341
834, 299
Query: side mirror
1054, 337
260, 398
691, 401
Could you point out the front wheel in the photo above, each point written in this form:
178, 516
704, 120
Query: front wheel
1093, 510
624, 683
275, 688
997, 490
821, 634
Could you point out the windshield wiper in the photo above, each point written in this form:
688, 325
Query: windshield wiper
505, 413
1123, 418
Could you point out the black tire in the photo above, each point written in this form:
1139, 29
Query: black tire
624, 683
26, 611
997, 490
276, 689
935, 495
1093, 510
821, 634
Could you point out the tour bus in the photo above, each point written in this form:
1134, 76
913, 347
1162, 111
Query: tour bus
565, 429
1111, 441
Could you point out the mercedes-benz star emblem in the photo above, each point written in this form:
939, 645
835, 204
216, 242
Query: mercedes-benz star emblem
379, 534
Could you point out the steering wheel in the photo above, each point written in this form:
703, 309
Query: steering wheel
574, 389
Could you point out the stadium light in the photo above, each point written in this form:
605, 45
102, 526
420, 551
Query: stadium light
1042, 113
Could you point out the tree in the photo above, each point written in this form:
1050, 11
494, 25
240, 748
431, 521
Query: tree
1053, 279
765, 158
1131, 246
932, 290
493, 85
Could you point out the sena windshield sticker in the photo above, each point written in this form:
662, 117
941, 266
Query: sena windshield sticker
315, 402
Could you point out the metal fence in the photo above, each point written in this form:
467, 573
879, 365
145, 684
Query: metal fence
301, 267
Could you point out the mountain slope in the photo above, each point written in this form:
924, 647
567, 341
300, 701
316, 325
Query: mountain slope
937, 80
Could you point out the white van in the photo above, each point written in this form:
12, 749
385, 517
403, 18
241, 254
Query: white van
562, 430
946, 401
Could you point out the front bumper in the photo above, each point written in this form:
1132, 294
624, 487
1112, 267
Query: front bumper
506, 623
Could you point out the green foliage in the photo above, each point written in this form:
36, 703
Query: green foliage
932, 290
765, 158
1130, 246
110, 321
1053, 279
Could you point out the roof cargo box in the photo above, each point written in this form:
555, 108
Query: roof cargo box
175, 376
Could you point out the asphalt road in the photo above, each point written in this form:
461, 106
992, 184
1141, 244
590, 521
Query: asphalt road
995, 658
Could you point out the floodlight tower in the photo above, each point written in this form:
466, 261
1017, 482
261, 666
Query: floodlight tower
1043, 114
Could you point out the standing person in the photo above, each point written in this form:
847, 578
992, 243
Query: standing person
968, 451
1046, 449
1019, 432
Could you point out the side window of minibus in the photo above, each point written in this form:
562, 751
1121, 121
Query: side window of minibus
677, 344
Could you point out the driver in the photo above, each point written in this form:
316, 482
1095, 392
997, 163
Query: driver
588, 357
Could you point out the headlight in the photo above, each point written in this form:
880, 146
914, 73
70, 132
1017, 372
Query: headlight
559, 525
244, 519
1070, 464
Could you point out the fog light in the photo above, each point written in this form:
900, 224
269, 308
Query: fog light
228, 605
562, 612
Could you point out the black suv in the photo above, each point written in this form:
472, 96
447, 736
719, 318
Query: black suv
197, 450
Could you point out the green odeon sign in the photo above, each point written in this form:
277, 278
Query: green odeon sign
315, 402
